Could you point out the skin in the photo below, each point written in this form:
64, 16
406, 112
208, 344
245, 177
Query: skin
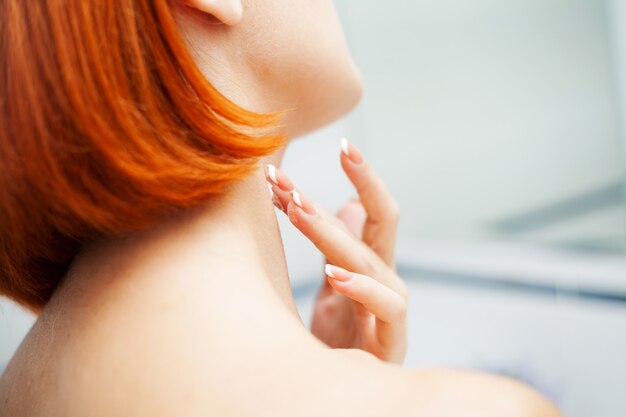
196, 316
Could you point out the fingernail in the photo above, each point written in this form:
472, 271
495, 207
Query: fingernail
278, 178
296, 198
344, 146
271, 173
303, 203
336, 273
269, 187
351, 151
329, 270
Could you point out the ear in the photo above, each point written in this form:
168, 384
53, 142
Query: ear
229, 12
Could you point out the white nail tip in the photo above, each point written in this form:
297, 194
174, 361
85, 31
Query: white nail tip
296, 198
344, 146
269, 187
271, 171
329, 271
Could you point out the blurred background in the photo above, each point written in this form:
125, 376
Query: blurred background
500, 127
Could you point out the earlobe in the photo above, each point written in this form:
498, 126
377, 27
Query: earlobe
229, 12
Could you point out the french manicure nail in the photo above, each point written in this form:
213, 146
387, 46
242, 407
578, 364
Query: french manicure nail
296, 198
336, 273
278, 178
344, 147
302, 202
351, 152
329, 270
271, 172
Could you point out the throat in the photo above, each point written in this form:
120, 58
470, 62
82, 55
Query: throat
252, 231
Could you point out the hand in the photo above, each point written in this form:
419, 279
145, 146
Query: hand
362, 303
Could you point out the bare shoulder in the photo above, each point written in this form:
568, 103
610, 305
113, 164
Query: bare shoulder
333, 383
465, 393
107, 362
375, 389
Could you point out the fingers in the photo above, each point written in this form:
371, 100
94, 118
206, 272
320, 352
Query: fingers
387, 305
378, 202
337, 245
280, 187
329, 234
373, 287
278, 178
379, 231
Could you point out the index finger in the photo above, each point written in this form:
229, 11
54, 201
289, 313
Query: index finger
379, 231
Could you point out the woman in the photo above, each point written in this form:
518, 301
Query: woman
135, 221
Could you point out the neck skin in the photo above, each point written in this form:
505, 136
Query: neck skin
231, 244
247, 208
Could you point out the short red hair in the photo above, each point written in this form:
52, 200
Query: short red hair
106, 126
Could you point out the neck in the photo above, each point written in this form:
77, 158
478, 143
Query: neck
231, 244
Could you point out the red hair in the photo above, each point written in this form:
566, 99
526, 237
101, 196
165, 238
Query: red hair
106, 126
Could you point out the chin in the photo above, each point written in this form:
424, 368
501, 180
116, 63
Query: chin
356, 87
348, 89
339, 97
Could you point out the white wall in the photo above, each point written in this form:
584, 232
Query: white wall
480, 110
